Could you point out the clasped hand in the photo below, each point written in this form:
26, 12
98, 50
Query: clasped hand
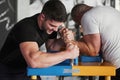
68, 37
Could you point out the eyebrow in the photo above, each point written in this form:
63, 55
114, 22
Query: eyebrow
53, 25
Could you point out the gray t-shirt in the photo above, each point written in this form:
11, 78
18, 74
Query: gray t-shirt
105, 21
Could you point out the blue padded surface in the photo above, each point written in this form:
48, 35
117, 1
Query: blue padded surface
57, 70
61, 69
90, 59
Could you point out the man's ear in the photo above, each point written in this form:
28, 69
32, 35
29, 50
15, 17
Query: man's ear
42, 17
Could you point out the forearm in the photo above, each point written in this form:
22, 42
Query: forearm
85, 48
43, 59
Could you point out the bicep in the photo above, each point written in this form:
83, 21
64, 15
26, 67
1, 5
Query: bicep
93, 41
55, 44
28, 49
48, 44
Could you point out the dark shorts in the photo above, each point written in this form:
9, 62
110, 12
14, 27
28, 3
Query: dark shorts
7, 73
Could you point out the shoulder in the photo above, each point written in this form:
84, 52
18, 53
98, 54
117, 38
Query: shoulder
28, 21
100, 9
94, 12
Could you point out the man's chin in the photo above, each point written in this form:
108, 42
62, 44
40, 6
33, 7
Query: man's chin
49, 32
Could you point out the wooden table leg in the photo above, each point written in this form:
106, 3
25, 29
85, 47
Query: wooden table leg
107, 77
33, 77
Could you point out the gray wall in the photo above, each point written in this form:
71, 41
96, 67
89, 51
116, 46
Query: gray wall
7, 18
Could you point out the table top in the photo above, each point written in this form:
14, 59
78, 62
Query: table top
94, 64
82, 69
94, 68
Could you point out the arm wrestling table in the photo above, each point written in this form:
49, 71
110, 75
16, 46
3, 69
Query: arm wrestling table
82, 69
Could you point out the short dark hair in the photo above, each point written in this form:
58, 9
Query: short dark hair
78, 9
55, 10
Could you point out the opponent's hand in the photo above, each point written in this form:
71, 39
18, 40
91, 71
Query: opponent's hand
66, 34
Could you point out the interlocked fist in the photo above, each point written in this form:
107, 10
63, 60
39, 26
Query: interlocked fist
66, 34
68, 37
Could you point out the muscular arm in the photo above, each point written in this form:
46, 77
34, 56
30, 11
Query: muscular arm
90, 44
38, 59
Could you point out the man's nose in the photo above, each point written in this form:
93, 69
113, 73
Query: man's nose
56, 29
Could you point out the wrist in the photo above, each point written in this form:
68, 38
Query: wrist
67, 53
